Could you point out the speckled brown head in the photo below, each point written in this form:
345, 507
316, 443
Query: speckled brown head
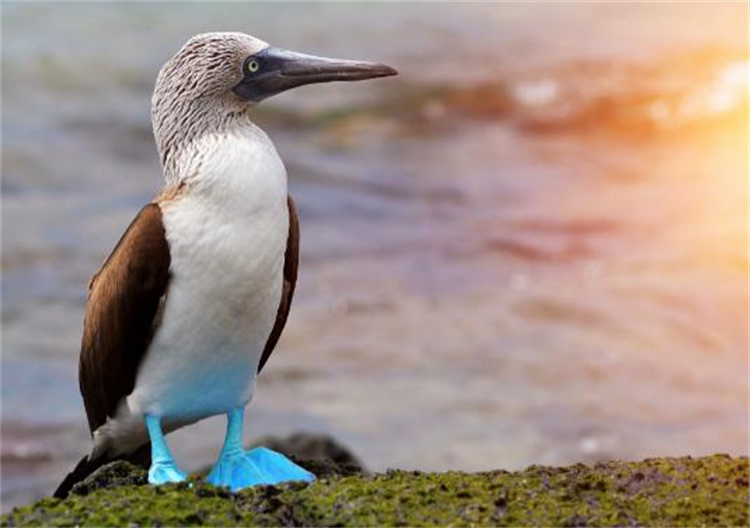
211, 82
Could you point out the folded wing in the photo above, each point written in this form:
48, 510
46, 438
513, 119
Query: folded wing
291, 263
122, 315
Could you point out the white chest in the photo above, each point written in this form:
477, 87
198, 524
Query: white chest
227, 235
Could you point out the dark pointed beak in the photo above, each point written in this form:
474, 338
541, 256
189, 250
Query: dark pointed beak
276, 70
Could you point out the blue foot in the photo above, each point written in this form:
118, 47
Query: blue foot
164, 473
242, 469
163, 467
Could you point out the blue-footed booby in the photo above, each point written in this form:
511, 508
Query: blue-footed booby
190, 304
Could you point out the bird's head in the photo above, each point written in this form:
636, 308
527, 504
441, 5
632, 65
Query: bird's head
216, 77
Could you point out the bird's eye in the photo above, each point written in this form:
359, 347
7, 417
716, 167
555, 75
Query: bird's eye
253, 66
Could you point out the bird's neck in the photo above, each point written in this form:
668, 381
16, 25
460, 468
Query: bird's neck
181, 129
235, 170
184, 161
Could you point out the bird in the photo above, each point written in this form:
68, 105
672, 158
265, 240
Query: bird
189, 306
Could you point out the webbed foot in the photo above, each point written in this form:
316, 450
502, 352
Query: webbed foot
241, 469
163, 468
164, 473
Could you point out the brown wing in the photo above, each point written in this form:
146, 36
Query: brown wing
291, 263
124, 299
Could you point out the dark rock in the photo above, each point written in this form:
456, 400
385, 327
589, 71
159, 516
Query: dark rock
403, 498
319, 454
112, 475
501, 507
323, 468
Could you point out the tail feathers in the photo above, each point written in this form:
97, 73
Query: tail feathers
85, 467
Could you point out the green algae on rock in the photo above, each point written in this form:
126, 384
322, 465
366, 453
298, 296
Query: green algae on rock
707, 491
116, 474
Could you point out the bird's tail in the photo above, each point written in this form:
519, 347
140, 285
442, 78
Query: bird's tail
85, 467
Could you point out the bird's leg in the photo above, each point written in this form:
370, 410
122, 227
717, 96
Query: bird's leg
163, 467
238, 469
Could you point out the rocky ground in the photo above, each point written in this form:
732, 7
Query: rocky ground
707, 491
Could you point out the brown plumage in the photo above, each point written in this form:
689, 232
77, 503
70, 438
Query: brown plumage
291, 263
124, 298
122, 315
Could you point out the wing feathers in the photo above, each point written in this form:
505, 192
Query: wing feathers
123, 301
291, 263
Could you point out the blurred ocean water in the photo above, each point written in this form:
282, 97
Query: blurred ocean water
530, 247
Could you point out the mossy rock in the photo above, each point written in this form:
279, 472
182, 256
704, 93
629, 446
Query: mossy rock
114, 475
708, 491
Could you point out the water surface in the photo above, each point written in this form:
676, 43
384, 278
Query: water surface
530, 247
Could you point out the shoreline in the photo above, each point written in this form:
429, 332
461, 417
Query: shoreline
685, 491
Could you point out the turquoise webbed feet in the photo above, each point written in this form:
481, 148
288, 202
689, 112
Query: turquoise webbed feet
163, 468
238, 469
162, 472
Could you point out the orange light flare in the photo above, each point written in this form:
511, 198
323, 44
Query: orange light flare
717, 155
690, 120
672, 144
